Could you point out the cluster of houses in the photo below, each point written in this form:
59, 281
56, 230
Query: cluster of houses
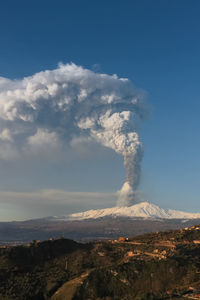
197, 227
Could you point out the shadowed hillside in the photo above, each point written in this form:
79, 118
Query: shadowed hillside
162, 265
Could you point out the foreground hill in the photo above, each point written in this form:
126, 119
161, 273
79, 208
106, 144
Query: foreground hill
162, 265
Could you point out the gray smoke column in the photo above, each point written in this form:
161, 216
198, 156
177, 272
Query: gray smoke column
132, 164
71, 103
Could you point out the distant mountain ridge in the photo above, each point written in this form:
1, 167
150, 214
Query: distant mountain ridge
108, 223
144, 210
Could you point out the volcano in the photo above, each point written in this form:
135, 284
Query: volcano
143, 210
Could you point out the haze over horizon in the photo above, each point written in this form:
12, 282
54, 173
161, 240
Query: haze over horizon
47, 164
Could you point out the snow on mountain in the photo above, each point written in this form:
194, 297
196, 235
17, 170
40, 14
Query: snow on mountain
140, 210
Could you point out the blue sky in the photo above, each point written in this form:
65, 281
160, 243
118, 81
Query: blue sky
156, 45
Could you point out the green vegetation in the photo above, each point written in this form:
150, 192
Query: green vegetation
162, 265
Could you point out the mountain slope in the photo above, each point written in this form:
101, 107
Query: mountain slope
140, 210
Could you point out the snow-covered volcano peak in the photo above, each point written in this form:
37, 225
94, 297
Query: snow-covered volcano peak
140, 210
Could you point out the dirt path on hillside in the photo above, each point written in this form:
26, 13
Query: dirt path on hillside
68, 289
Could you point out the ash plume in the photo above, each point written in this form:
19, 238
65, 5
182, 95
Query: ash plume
132, 164
70, 103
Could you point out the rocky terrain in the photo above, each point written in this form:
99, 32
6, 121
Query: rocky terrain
160, 265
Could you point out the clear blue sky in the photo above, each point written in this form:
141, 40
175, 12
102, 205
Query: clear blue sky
156, 44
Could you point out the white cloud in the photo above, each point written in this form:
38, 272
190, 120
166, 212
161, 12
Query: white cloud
5, 135
43, 141
69, 101
71, 104
50, 202
55, 196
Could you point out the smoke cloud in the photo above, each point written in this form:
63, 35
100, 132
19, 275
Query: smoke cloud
72, 103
